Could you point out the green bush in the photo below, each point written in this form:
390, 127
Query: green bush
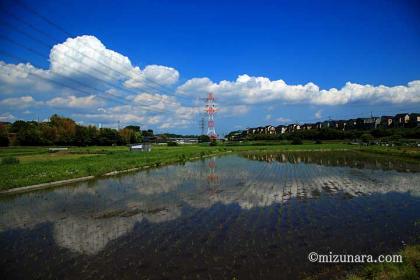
318, 141
213, 143
297, 141
4, 139
172, 144
9, 160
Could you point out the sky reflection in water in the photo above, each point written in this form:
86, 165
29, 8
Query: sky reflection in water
251, 216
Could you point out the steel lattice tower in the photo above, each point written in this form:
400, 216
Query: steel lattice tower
211, 110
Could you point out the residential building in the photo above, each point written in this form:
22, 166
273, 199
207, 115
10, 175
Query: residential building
386, 121
401, 120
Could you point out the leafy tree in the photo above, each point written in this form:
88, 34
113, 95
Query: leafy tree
133, 128
49, 133
148, 133
203, 138
30, 136
297, 141
18, 125
366, 138
4, 138
108, 136
129, 136
66, 129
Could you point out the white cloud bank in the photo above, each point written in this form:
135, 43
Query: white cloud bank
145, 91
258, 90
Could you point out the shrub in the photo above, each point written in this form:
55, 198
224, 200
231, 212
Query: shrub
203, 138
213, 143
318, 141
297, 141
172, 144
366, 138
4, 139
9, 160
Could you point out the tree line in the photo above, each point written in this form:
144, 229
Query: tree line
60, 130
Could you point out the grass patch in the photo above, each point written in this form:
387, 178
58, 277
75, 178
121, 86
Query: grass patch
408, 269
9, 160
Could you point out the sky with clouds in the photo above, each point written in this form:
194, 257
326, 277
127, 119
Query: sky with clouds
153, 72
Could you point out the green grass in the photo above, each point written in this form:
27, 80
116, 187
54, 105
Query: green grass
38, 166
403, 152
408, 269
80, 162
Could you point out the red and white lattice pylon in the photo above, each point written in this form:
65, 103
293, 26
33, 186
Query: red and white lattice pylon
211, 110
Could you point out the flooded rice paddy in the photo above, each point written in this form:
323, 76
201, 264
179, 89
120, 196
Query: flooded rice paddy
251, 216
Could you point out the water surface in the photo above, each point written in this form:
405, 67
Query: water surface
254, 216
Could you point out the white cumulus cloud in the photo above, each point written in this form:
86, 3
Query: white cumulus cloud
110, 78
257, 90
76, 102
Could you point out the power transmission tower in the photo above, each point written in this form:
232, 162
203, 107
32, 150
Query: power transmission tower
211, 110
201, 123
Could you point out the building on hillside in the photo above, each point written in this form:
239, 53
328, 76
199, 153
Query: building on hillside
281, 129
307, 126
326, 124
318, 125
371, 123
269, 129
293, 128
401, 120
250, 131
386, 121
351, 124
260, 130
414, 120
237, 136
341, 125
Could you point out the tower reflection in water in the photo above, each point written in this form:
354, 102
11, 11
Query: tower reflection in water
213, 182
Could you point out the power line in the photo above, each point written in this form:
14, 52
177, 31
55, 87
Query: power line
65, 54
50, 22
61, 83
67, 77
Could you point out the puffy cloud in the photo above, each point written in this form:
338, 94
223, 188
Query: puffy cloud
86, 59
152, 76
256, 90
19, 102
111, 118
283, 120
233, 110
86, 54
22, 78
318, 114
7, 117
76, 102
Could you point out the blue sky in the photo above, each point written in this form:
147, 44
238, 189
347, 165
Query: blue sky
325, 43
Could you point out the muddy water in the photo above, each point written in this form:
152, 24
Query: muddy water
249, 216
